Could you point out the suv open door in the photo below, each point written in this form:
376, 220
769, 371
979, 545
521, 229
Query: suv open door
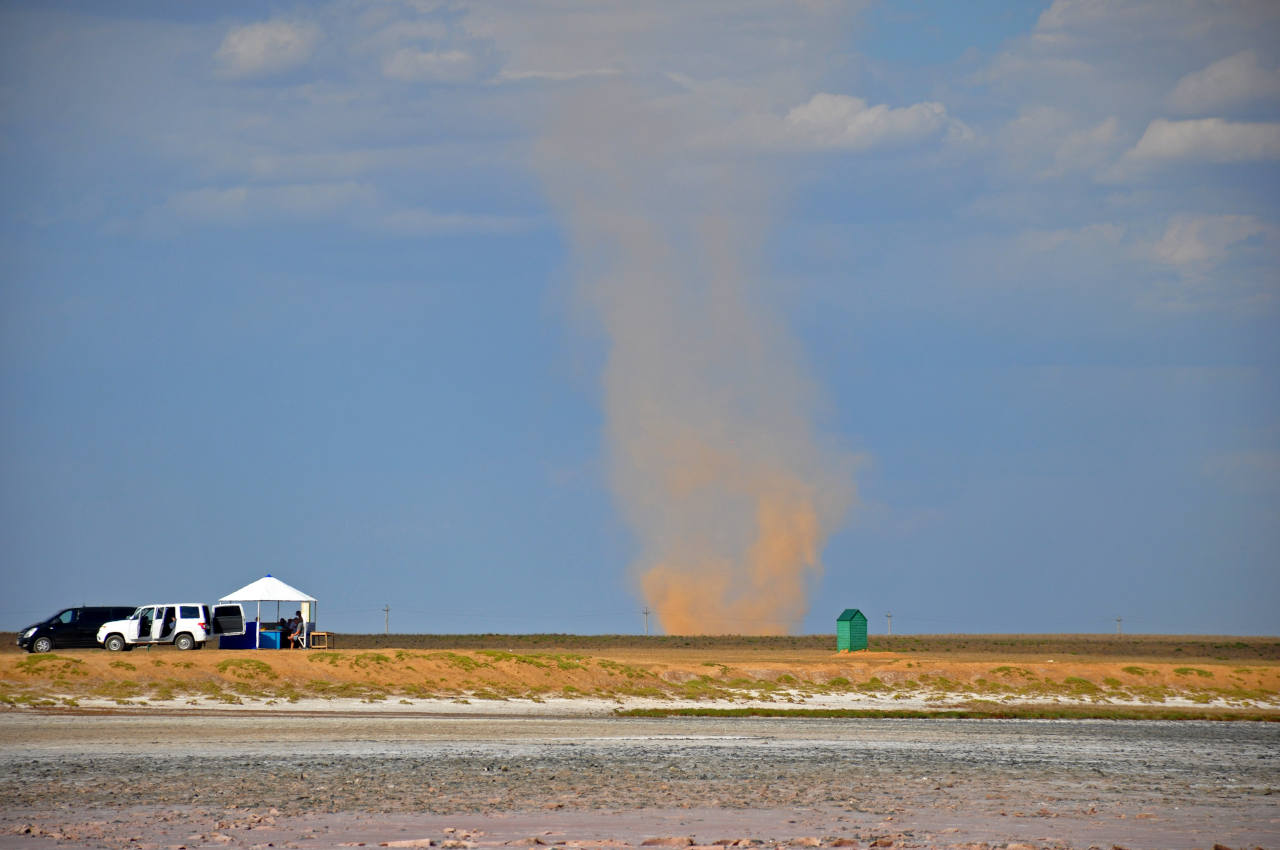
227, 620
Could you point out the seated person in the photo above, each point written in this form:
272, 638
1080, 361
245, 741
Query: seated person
166, 628
296, 636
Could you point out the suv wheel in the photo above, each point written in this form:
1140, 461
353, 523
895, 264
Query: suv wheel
44, 643
114, 643
184, 641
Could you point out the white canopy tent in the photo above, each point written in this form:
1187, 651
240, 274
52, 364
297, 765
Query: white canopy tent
269, 589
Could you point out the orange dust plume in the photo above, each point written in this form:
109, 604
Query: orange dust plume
760, 594
715, 459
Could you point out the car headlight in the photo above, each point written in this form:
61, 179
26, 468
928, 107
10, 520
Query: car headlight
29, 632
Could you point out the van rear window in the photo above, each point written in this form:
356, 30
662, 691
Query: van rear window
188, 612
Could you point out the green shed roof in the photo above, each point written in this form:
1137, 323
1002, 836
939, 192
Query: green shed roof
851, 614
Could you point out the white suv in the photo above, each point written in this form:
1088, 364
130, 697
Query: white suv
186, 625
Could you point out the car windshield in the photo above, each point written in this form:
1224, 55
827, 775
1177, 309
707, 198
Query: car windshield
138, 612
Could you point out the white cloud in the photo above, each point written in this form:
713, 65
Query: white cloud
409, 31
1191, 240
559, 76
448, 66
266, 48
301, 200
837, 121
1207, 139
1085, 150
429, 222
355, 202
1237, 79
1087, 238
1098, 58
1033, 134
1105, 24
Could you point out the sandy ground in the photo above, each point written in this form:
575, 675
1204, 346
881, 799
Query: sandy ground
587, 706
494, 747
569, 682
284, 777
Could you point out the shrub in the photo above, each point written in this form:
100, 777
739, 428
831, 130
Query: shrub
1193, 671
246, 668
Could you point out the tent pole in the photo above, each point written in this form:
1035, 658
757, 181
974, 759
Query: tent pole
257, 629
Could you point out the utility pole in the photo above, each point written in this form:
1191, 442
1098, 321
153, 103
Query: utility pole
387, 625
646, 620
888, 616
1119, 630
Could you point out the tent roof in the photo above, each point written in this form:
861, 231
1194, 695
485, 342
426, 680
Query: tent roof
267, 589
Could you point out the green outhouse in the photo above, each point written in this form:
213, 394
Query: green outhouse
851, 630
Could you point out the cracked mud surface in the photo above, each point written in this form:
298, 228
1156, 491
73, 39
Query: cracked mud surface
313, 781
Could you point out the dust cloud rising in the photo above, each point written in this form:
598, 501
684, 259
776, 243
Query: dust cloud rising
714, 457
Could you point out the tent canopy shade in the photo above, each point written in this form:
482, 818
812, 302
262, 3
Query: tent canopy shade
270, 589
267, 589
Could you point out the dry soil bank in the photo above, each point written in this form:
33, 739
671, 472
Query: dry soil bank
963, 671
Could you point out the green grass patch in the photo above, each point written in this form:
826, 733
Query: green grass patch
345, 690
465, 663
498, 655
45, 664
1134, 670
1079, 687
406, 655
703, 687
1193, 671
246, 668
118, 689
123, 665
1006, 670
628, 670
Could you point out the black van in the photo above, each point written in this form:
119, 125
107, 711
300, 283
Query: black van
71, 627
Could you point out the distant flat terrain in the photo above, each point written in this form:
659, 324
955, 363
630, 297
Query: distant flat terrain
1172, 647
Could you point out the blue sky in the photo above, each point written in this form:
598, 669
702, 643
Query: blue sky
377, 297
